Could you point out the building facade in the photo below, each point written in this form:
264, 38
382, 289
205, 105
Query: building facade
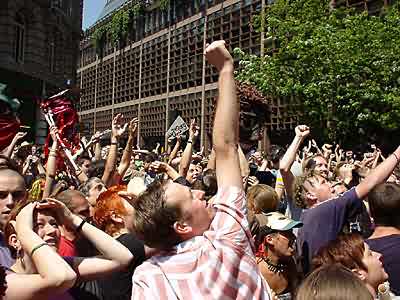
39, 48
160, 69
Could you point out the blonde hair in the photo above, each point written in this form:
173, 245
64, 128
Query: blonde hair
262, 198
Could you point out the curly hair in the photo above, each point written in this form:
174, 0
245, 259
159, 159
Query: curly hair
300, 190
108, 204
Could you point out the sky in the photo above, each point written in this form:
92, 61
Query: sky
91, 10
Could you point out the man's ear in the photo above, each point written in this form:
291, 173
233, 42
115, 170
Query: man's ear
268, 239
360, 274
14, 242
182, 228
311, 198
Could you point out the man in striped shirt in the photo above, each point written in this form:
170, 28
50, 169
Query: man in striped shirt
207, 250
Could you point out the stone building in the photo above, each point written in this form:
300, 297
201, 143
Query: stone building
39, 48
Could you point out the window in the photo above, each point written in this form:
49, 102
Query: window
19, 38
51, 53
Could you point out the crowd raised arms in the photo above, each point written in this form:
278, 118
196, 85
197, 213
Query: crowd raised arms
101, 218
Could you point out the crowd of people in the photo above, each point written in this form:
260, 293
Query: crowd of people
299, 222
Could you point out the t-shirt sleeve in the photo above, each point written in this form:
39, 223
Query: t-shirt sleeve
350, 202
135, 246
230, 221
182, 180
340, 208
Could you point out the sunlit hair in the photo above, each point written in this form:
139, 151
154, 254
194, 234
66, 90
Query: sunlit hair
109, 204
262, 198
333, 282
9, 228
347, 250
300, 190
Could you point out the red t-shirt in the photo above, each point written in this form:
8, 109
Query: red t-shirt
66, 247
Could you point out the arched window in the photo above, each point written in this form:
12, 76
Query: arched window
19, 38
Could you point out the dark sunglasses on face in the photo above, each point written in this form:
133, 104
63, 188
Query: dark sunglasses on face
16, 195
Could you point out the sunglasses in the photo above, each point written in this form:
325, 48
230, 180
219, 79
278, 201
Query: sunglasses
16, 195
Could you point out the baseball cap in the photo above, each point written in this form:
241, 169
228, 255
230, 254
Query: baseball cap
277, 222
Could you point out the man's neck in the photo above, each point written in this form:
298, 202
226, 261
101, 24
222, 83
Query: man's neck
382, 231
372, 290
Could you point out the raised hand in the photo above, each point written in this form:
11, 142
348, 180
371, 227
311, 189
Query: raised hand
20, 135
95, 138
158, 167
118, 127
218, 56
25, 217
53, 133
193, 129
63, 213
302, 131
252, 180
133, 125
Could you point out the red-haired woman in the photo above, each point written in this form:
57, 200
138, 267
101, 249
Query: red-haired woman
33, 236
113, 214
352, 252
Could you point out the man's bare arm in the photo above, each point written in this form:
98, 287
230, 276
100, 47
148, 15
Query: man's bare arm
226, 121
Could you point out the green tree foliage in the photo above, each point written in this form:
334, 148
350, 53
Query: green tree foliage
341, 66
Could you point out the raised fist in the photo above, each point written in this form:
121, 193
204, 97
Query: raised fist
302, 131
217, 55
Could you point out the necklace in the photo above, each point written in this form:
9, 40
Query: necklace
278, 269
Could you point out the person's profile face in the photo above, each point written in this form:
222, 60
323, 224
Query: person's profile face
373, 261
12, 191
194, 209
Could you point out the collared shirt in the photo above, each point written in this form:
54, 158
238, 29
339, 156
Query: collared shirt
220, 264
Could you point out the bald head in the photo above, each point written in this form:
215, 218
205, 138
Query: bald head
75, 201
12, 190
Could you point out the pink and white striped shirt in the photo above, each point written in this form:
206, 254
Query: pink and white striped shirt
220, 264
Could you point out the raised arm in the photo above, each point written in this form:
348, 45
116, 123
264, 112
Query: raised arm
51, 164
159, 166
97, 148
226, 121
9, 150
174, 152
54, 276
126, 156
187, 153
115, 256
244, 164
302, 131
211, 160
117, 130
378, 175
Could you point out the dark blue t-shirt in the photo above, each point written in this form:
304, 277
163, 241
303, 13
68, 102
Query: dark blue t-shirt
389, 247
323, 223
